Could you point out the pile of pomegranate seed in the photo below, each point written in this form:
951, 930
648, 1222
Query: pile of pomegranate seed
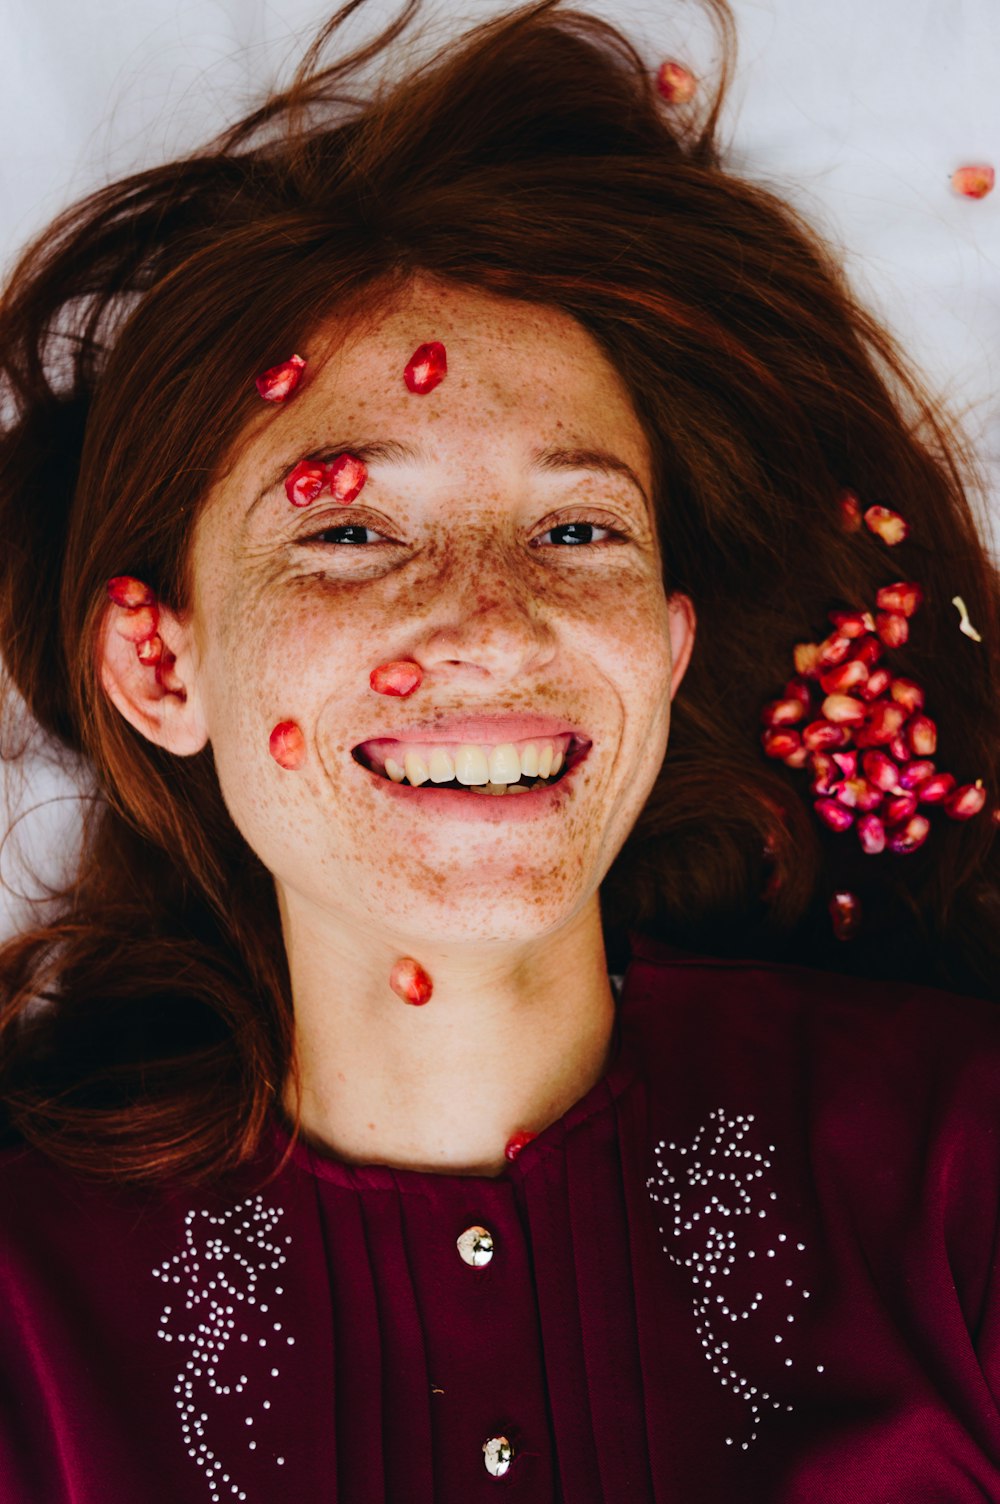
279, 382
426, 368
861, 731
343, 478
409, 980
400, 678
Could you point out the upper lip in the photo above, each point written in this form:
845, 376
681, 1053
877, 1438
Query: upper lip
492, 730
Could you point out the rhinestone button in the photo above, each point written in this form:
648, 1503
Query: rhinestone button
476, 1246
498, 1454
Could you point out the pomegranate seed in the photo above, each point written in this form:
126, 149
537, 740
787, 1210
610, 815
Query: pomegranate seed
908, 837
517, 1143
138, 625
868, 651
913, 774
877, 683
280, 381
124, 590
847, 762
842, 710
852, 623
833, 650
846, 676
908, 693
305, 482
850, 511
904, 598
780, 741
819, 735
871, 834
881, 771
922, 732
845, 912
892, 629
887, 525
935, 790
798, 758
675, 84
287, 745
409, 980
899, 807
965, 625
149, 651
974, 181
797, 689
825, 771
398, 678
782, 712
885, 718
858, 793
965, 801
347, 475
899, 747
806, 655
834, 814
427, 366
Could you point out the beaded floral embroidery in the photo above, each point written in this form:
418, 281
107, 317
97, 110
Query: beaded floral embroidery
705, 1188
225, 1278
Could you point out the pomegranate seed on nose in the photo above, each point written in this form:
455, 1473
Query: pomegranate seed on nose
675, 84
868, 650
913, 774
280, 381
845, 912
288, 745
150, 651
780, 741
904, 597
877, 683
845, 677
305, 482
871, 834
852, 623
965, 801
880, 770
887, 525
922, 733
974, 181
517, 1143
899, 807
346, 475
908, 693
908, 837
409, 980
138, 625
935, 790
426, 367
892, 628
782, 712
127, 591
398, 678
834, 814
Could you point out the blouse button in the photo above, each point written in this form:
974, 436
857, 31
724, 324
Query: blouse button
476, 1246
498, 1454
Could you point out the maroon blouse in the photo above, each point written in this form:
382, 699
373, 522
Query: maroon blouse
755, 1262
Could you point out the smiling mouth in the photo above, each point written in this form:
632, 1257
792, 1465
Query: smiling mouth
513, 768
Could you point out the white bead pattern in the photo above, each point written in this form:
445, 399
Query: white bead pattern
704, 1187
228, 1265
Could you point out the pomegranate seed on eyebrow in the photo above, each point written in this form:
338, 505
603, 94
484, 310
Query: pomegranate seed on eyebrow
899, 807
913, 774
913, 834
409, 980
965, 801
851, 674
877, 683
138, 625
892, 628
908, 693
398, 678
881, 771
965, 625
287, 745
887, 525
905, 597
305, 482
125, 590
845, 911
346, 476
922, 733
517, 1143
426, 367
850, 511
279, 382
675, 84
935, 790
150, 651
782, 712
871, 834
974, 181
834, 814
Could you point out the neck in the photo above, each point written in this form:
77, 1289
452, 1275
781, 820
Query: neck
512, 1036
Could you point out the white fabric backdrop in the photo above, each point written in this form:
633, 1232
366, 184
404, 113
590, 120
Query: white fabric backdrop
858, 110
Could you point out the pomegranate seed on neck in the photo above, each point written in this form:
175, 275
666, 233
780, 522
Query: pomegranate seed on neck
409, 980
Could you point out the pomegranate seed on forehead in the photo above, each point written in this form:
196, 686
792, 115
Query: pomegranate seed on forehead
426, 367
780, 741
845, 912
287, 745
305, 482
517, 1142
847, 762
913, 774
842, 710
806, 656
822, 735
409, 980
880, 770
887, 525
127, 591
868, 650
833, 650
399, 678
346, 476
279, 382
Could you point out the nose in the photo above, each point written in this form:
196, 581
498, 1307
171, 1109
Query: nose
486, 623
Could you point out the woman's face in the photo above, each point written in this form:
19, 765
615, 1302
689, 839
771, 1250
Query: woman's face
524, 579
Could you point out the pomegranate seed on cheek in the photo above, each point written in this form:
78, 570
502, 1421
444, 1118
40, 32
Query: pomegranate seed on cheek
287, 745
400, 678
279, 382
426, 368
409, 980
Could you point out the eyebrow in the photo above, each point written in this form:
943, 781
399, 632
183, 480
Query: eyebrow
392, 452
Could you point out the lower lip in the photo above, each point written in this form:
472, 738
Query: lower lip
494, 809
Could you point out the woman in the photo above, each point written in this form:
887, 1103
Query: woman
446, 495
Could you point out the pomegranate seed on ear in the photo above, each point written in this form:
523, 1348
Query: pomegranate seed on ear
675, 84
913, 774
852, 623
138, 625
149, 651
871, 834
907, 838
922, 733
974, 181
868, 650
845, 677
127, 591
845, 911
877, 683
409, 980
782, 712
892, 628
899, 807
806, 655
346, 475
935, 790
965, 801
834, 814
850, 511
822, 735
426, 367
880, 770
280, 381
905, 597
908, 693
399, 678
288, 745
517, 1143
887, 525
780, 741
305, 482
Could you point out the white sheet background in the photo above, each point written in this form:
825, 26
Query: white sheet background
858, 110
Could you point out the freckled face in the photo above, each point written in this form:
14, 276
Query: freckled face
516, 587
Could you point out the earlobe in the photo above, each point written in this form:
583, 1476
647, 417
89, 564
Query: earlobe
683, 627
158, 698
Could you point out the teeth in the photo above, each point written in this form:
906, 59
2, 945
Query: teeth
417, 770
394, 771
545, 760
471, 767
504, 765
442, 769
529, 760
557, 763
483, 769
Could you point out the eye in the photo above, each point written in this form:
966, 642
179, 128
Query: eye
331, 535
582, 532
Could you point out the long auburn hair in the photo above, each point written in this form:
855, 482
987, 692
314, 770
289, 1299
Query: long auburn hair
146, 1029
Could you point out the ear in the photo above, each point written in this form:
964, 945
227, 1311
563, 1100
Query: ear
683, 625
160, 701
